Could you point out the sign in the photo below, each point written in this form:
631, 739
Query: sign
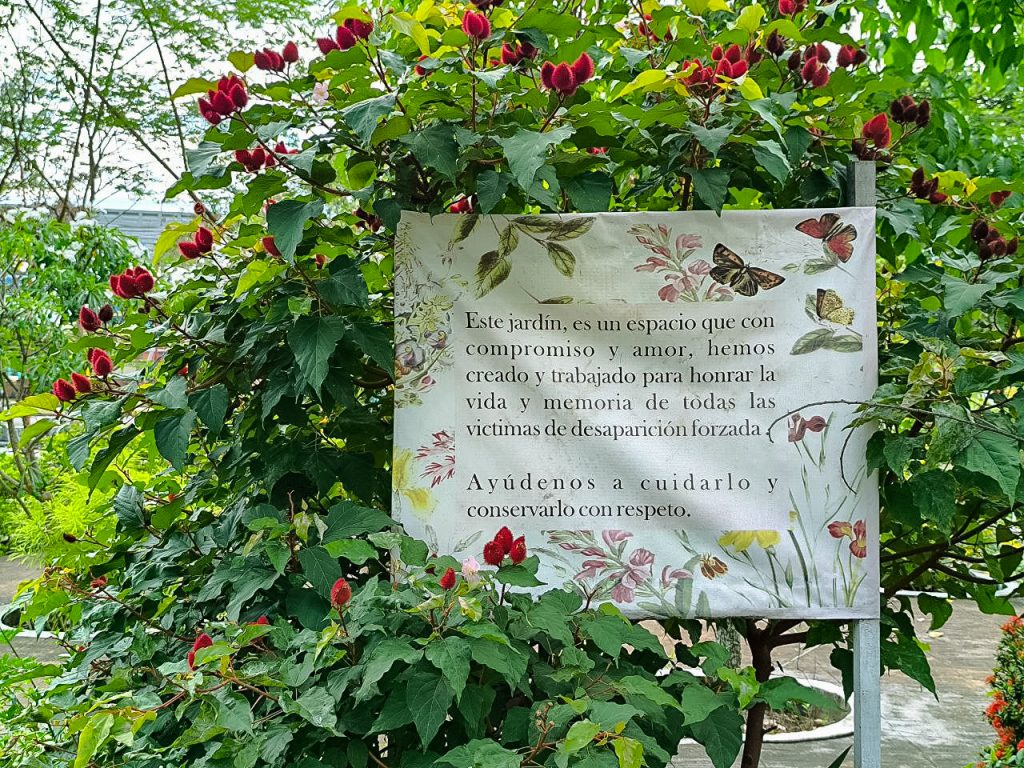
660, 402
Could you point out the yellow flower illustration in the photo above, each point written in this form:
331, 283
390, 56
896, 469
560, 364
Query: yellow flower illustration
404, 482
742, 540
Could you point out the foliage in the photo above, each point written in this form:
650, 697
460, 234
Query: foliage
271, 404
1006, 712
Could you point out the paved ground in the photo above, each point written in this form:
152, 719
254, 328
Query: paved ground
918, 730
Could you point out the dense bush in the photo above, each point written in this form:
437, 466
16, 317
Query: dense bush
271, 403
1006, 712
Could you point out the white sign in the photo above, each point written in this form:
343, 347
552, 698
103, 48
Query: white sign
659, 402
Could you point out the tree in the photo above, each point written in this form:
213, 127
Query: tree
272, 403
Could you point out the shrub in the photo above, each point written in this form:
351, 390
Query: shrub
1006, 712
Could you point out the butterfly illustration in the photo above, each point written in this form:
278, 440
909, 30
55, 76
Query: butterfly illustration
836, 238
829, 306
731, 270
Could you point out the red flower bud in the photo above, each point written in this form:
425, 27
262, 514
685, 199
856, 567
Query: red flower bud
290, 52
106, 313
462, 205
189, 250
547, 71
448, 580
341, 593
996, 199
494, 553
204, 240
88, 320
517, 553
64, 390
81, 383
420, 70
345, 38
504, 538
359, 28
270, 246
583, 68
326, 45
563, 80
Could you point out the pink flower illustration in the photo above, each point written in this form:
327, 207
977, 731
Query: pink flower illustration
653, 263
442, 450
591, 569
799, 426
857, 533
700, 267
687, 242
613, 536
634, 576
670, 576
840, 529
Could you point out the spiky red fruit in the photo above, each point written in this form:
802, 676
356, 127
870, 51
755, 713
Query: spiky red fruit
64, 390
517, 552
106, 313
448, 580
494, 553
88, 320
290, 53
270, 246
81, 383
504, 538
341, 593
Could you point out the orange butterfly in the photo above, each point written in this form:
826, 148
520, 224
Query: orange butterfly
836, 238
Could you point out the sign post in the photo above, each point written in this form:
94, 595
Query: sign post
867, 733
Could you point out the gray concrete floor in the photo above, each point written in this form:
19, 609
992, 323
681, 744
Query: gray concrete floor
918, 730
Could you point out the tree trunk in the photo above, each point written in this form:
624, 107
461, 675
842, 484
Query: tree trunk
761, 655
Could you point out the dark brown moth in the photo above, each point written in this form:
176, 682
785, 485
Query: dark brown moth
746, 280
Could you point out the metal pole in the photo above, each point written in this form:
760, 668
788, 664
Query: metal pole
866, 633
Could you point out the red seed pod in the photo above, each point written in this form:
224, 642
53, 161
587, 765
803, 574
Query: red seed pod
820, 78
199, 209
494, 553
290, 52
504, 538
420, 70
189, 250
102, 365
739, 69
794, 61
508, 54
583, 69
326, 45
270, 246
775, 44
996, 199
938, 198
979, 230
320, 260
106, 313
733, 54
1011, 246
999, 246
262, 621
261, 60
88, 320
563, 80
717, 53
70, 538
341, 593
846, 56
243, 157
345, 38
924, 114
787, 7
810, 67
81, 383
859, 57
204, 240
547, 71
984, 251
144, 280
359, 28
64, 390
448, 580
239, 96
527, 50
517, 552
221, 103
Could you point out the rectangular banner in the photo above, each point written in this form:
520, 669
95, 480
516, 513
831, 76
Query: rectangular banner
659, 402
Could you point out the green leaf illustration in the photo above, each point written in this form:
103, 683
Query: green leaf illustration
811, 341
562, 257
491, 272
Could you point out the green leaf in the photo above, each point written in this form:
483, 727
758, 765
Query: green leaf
193, 86
699, 701
233, 713
721, 734
579, 736
641, 686
779, 691
257, 272
200, 159
313, 341
30, 406
346, 518
435, 147
211, 405
563, 259
93, 736
939, 608
319, 568
629, 751
907, 656
428, 697
503, 659
243, 61
591, 191
128, 509
172, 436
363, 117
934, 495
491, 187
315, 706
996, 456
770, 156
451, 655
375, 341
959, 296
711, 186
711, 139
527, 150
345, 287
355, 551
481, 753
286, 221
173, 396
384, 655
491, 272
